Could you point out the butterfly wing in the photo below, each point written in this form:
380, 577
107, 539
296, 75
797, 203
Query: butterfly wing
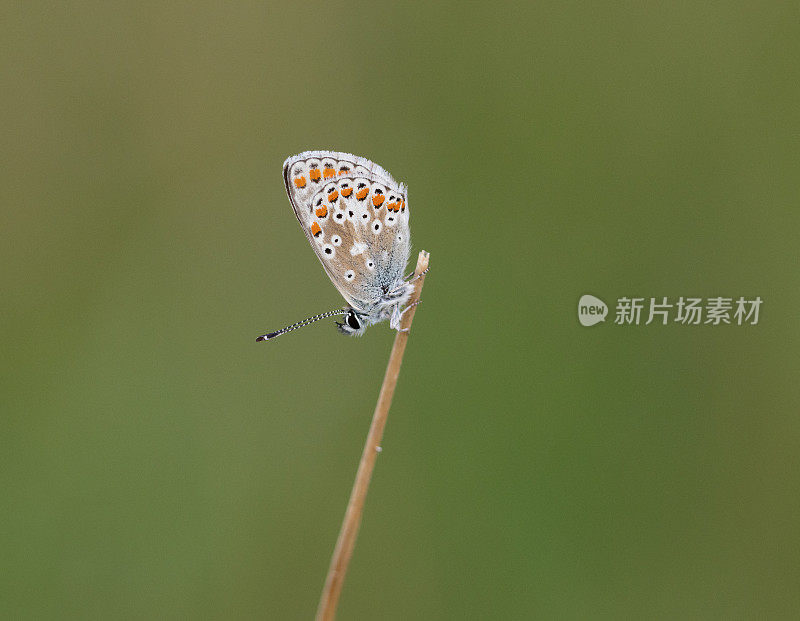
355, 217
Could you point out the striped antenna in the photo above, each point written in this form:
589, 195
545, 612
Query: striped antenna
300, 324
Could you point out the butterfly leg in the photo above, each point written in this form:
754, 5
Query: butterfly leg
408, 308
408, 279
399, 316
394, 320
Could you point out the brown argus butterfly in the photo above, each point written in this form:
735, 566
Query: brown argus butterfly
355, 217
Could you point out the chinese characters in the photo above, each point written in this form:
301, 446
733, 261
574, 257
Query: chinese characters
688, 311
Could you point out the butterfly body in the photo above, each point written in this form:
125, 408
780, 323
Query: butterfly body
355, 216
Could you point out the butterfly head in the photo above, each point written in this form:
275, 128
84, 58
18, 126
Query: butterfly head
353, 324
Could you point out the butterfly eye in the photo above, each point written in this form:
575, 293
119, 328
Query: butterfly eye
353, 322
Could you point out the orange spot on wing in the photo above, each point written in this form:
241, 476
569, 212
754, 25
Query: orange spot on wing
315, 229
391, 206
321, 211
344, 171
329, 172
362, 194
300, 182
314, 174
402, 205
377, 200
347, 192
333, 196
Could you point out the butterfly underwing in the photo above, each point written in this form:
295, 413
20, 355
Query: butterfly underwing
355, 216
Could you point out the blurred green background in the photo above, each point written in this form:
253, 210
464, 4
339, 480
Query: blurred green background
157, 462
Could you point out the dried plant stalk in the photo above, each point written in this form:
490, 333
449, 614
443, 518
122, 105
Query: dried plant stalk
355, 507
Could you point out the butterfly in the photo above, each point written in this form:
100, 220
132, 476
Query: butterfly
355, 216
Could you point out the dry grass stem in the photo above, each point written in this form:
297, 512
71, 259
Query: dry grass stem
355, 507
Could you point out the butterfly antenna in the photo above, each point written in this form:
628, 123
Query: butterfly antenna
300, 324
